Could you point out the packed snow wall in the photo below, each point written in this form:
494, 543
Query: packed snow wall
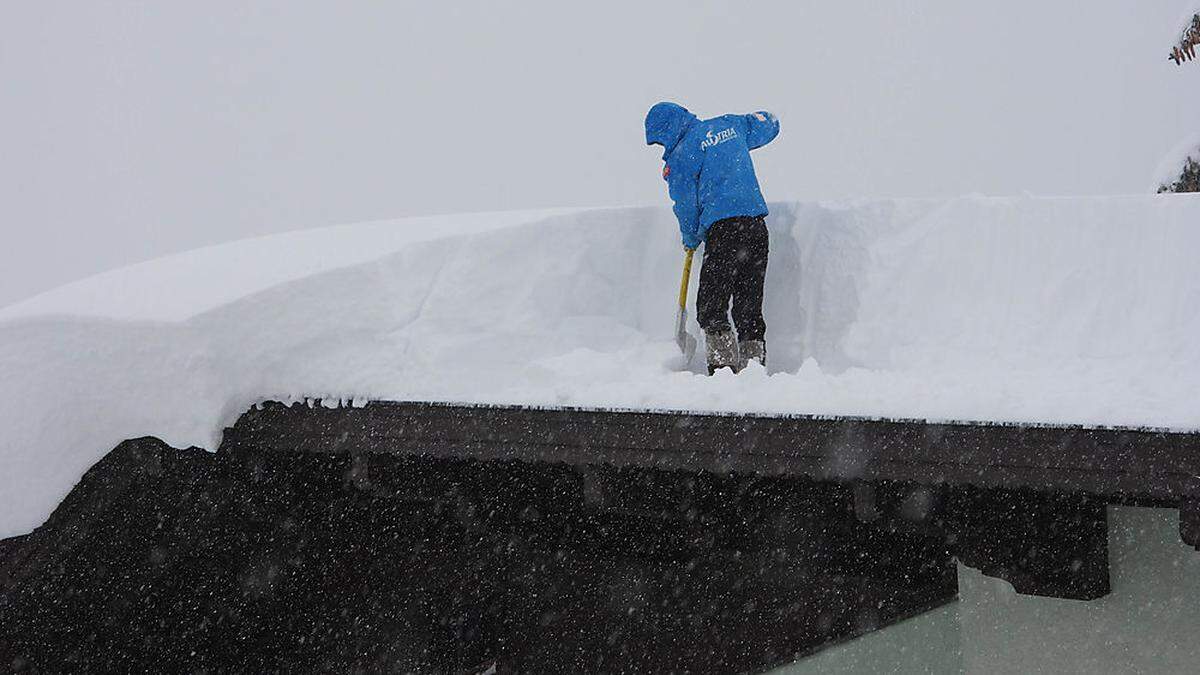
1027, 309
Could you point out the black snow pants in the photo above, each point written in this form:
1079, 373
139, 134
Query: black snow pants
735, 267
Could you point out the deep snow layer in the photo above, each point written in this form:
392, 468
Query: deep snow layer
1079, 310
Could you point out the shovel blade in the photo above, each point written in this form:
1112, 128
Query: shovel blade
687, 343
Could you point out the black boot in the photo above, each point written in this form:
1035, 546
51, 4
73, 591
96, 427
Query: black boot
722, 350
752, 350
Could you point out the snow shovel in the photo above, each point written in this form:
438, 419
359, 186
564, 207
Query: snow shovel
687, 343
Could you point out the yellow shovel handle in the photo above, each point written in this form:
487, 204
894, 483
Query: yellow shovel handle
687, 276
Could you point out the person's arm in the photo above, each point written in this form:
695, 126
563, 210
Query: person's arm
683, 182
761, 128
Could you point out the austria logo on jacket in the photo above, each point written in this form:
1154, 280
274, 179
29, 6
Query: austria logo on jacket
711, 139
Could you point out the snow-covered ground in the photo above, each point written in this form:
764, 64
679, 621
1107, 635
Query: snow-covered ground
1079, 310
1148, 623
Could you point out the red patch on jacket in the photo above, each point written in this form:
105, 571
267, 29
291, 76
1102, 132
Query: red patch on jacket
666, 171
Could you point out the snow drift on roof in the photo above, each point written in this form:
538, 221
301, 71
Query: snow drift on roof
1079, 310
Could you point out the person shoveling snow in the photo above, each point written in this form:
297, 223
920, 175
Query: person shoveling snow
711, 179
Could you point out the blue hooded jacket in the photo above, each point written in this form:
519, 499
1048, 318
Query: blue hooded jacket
707, 164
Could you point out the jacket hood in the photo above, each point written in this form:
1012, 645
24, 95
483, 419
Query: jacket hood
666, 123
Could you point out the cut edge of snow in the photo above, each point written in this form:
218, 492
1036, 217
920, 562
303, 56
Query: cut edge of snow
188, 275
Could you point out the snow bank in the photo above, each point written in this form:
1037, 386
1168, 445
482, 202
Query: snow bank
212, 276
1053, 310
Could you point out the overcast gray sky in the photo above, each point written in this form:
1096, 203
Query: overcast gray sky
133, 129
